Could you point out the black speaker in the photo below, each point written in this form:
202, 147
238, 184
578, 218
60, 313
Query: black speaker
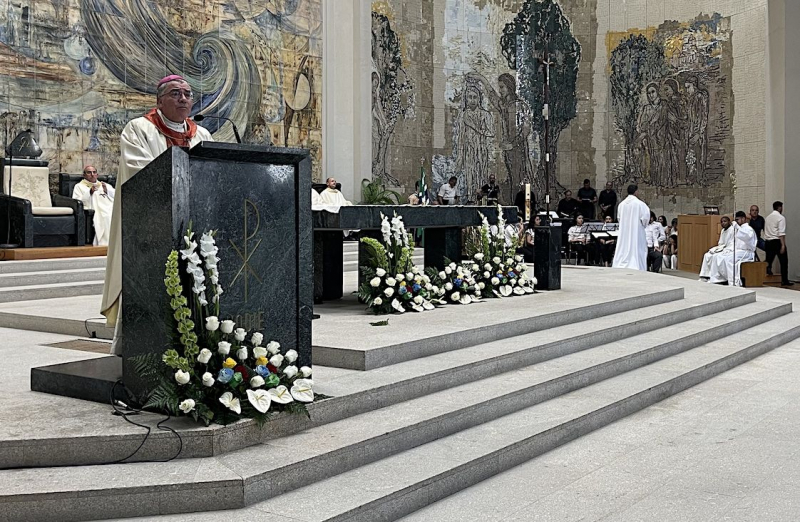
547, 257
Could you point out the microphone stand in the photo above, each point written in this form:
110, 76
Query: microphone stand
200, 117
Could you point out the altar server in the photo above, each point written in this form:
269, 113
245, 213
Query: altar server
725, 244
97, 196
727, 266
634, 216
142, 140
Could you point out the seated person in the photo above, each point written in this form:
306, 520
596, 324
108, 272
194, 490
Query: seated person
414, 199
98, 196
490, 191
332, 197
526, 249
606, 245
727, 266
725, 243
670, 252
448, 194
568, 207
655, 239
578, 239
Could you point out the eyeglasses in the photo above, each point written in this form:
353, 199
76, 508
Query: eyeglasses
177, 93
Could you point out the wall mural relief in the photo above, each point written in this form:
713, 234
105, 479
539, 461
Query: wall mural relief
672, 103
392, 94
78, 70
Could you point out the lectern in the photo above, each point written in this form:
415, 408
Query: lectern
258, 201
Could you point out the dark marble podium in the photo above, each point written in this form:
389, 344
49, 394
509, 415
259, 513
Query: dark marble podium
442, 224
547, 257
257, 200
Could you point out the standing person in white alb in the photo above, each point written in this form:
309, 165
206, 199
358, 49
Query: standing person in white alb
634, 216
448, 195
725, 244
97, 196
142, 140
727, 266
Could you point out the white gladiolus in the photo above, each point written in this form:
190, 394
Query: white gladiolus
187, 405
182, 377
375, 282
380, 272
273, 347
257, 382
208, 380
204, 356
226, 326
291, 356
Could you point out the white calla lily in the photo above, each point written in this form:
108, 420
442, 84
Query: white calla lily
231, 403
302, 390
280, 394
259, 399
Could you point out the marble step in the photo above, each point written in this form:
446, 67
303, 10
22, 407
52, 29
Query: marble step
385, 484
45, 265
49, 277
354, 393
50, 291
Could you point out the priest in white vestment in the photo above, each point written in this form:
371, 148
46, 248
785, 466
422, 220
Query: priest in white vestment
142, 140
725, 244
332, 197
727, 266
97, 196
634, 216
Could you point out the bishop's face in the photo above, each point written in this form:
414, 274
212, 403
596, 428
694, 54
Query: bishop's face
176, 102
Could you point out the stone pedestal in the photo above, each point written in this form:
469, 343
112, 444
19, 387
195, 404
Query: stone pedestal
547, 258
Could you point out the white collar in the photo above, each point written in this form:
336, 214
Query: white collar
177, 127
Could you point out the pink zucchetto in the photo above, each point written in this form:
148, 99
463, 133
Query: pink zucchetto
170, 78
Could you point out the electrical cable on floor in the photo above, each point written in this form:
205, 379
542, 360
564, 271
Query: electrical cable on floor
126, 411
89, 333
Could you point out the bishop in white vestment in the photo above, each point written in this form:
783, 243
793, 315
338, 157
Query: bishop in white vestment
725, 244
142, 140
97, 196
634, 216
727, 266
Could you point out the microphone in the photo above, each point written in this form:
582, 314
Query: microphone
200, 117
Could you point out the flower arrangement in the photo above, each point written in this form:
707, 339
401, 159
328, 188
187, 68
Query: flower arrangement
456, 283
499, 270
215, 372
392, 283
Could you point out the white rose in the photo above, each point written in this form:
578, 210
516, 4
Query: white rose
259, 351
305, 371
187, 406
509, 261
273, 347
208, 379
428, 287
487, 266
389, 292
276, 360
479, 256
257, 382
442, 275
380, 272
496, 260
239, 334
224, 348
409, 276
475, 268
226, 326
290, 371
534, 281
435, 289
182, 377
495, 281
448, 270
415, 269
481, 286
448, 286
452, 266
518, 259
377, 301
456, 296
400, 277
257, 339
212, 323
242, 353
291, 356
204, 356
390, 281
375, 282
487, 275
418, 299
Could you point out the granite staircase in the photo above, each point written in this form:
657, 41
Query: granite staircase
51, 278
411, 430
